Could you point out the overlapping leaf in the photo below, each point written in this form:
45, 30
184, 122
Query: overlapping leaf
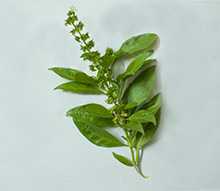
80, 82
94, 114
142, 87
136, 65
143, 42
135, 126
147, 137
91, 124
143, 116
153, 105
151, 108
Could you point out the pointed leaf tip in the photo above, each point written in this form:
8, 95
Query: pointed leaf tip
122, 159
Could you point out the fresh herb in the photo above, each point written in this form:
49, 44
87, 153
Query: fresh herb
134, 107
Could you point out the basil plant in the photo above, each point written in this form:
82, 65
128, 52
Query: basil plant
134, 104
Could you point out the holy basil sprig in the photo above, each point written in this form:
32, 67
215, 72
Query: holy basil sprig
134, 107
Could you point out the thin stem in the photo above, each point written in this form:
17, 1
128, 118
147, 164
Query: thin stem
132, 155
137, 156
130, 147
138, 163
135, 162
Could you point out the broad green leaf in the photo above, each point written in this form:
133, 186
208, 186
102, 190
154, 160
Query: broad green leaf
122, 159
74, 75
91, 124
153, 105
143, 42
94, 109
96, 135
80, 88
141, 88
134, 126
94, 114
124, 84
136, 65
142, 116
147, 137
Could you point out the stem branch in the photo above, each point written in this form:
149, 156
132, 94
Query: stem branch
135, 162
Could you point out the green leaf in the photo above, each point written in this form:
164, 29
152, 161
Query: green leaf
124, 84
122, 159
94, 114
147, 137
153, 105
142, 116
141, 88
77, 87
134, 126
137, 64
143, 42
93, 109
74, 75
130, 106
90, 123
96, 135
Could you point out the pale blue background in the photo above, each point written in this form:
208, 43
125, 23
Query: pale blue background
40, 150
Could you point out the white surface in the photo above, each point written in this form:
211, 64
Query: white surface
40, 149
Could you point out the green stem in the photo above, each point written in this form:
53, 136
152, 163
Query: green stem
135, 162
138, 163
137, 155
